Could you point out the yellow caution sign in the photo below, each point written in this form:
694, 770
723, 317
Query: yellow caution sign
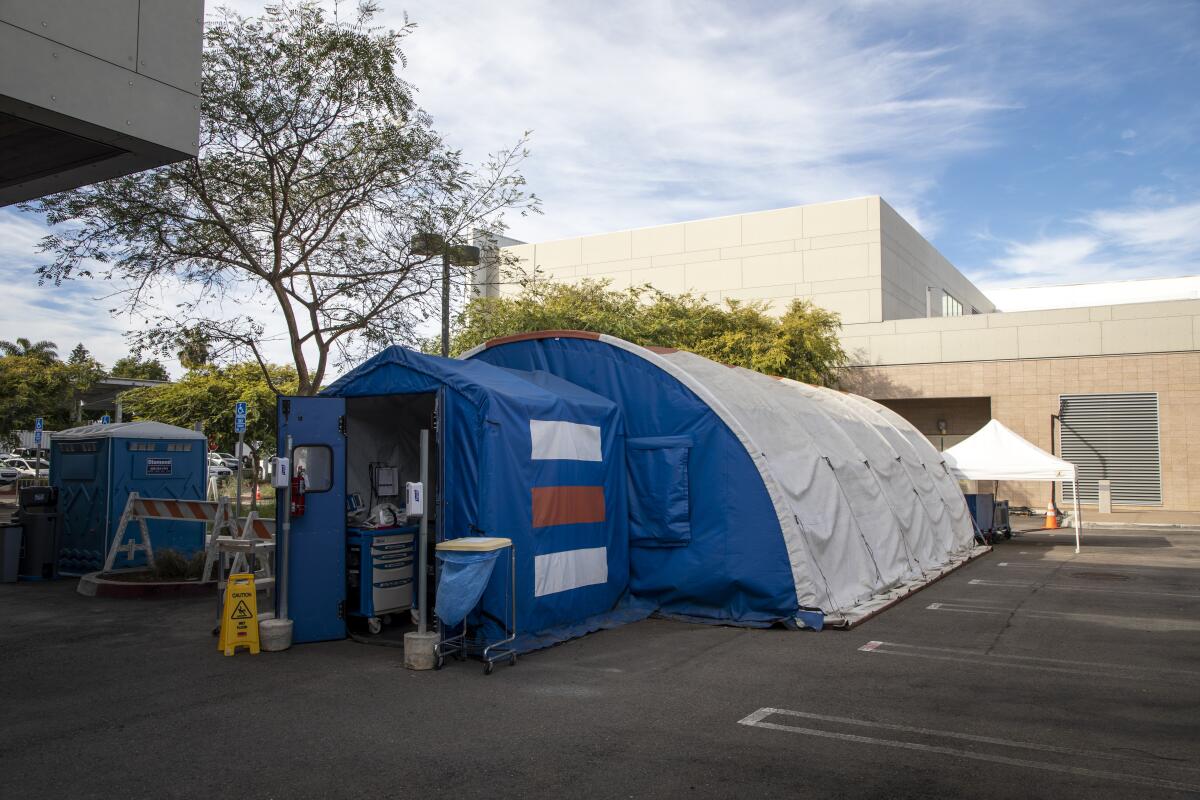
239, 619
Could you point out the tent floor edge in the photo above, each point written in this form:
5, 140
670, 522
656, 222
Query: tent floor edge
876, 607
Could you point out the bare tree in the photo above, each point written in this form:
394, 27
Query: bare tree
316, 170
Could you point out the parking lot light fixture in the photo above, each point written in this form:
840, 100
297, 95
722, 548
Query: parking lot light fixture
460, 255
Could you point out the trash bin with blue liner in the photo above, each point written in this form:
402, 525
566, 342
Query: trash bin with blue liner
467, 565
95, 467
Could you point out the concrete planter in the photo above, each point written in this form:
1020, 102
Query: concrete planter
95, 584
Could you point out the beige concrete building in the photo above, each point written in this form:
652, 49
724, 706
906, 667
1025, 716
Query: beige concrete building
856, 257
93, 90
1113, 388
1119, 383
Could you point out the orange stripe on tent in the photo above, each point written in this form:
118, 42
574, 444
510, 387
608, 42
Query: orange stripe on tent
555, 334
567, 505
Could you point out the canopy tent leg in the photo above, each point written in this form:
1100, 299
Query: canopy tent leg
1075, 501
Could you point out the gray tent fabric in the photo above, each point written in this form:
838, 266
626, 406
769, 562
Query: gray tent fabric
929, 508
878, 515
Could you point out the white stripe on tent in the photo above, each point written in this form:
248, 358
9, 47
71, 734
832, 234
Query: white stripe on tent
569, 569
568, 441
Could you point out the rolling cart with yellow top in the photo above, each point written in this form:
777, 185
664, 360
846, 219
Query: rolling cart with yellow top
477, 555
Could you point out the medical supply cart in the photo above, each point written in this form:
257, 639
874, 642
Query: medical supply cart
380, 568
460, 644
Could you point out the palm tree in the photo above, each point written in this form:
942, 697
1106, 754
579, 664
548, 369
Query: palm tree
44, 350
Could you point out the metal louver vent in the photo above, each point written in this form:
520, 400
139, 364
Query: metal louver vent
1113, 436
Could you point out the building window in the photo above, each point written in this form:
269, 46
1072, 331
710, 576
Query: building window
950, 306
1113, 437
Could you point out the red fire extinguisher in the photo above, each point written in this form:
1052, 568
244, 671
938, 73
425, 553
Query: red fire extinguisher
297, 496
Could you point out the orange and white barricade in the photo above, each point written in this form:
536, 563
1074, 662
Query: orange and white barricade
138, 510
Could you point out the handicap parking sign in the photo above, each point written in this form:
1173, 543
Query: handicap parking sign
239, 418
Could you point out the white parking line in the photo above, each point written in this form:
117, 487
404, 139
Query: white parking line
1075, 567
757, 720
1146, 623
1067, 666
1061, 587
965, 609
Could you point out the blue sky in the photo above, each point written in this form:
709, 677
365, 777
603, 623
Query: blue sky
1033, 143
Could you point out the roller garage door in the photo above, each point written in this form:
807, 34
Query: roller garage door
1113, 436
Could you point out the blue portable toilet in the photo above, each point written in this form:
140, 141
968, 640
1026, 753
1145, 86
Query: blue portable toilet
95, 467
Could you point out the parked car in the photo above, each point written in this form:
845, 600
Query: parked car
26, 466
228, 459
8, 475
216, 467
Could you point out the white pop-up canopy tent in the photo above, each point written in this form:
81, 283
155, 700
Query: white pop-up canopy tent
994, 453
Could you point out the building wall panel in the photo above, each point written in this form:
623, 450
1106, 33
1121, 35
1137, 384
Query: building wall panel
1024, 394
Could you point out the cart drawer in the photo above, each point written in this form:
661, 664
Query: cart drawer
392, 595
391, 570
391, 542
393, 549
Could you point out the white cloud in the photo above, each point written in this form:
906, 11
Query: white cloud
64, 315
1161, 230
1110, 244
649, 112
1054, 256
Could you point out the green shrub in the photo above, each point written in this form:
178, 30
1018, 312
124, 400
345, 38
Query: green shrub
172, 565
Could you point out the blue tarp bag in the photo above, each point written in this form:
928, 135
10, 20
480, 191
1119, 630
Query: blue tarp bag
463, 578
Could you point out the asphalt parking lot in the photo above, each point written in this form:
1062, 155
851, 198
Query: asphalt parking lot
1031, 672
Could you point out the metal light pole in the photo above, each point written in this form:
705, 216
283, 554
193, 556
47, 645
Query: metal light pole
460, 255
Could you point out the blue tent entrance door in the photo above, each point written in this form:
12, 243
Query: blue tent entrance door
316, 549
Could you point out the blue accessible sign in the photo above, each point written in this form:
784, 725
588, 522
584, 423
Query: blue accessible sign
105, 419
239, 418
38, 426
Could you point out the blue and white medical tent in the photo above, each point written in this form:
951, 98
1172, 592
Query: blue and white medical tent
755, 500
523, 455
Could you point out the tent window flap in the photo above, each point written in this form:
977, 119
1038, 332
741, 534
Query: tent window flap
659, 499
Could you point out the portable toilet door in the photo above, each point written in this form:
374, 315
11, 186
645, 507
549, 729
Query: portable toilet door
79, 468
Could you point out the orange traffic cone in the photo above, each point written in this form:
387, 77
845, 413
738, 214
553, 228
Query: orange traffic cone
1051, 517
257, 492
